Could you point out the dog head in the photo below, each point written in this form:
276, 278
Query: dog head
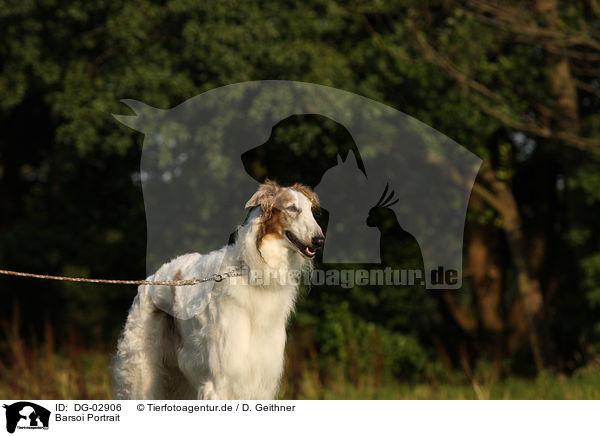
287, 215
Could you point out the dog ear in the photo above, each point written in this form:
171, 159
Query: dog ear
264, 197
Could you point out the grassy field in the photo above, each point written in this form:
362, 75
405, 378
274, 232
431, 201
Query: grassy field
75, 372
584, 384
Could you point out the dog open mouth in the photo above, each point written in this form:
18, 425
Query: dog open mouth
306, 250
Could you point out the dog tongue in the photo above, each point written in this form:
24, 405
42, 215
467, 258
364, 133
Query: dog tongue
309, 251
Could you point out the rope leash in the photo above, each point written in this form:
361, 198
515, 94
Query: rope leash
215, 277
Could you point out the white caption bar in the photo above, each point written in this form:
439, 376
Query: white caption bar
299, 417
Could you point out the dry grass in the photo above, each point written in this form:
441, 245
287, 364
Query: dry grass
41, 370
38, 370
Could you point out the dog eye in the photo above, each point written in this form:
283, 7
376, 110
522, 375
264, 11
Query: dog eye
292, 208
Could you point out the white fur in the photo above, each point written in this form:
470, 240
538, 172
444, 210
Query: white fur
233, 348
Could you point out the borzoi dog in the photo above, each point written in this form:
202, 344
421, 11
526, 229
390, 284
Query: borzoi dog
233, 345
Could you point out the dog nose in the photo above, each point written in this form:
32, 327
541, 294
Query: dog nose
318, 241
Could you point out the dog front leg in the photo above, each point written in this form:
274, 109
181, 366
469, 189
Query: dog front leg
208, 392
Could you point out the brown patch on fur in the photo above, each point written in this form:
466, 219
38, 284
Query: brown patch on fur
271, 227
178, 276
170, 333
265, 197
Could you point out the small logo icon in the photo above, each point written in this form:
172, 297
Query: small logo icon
26, 415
